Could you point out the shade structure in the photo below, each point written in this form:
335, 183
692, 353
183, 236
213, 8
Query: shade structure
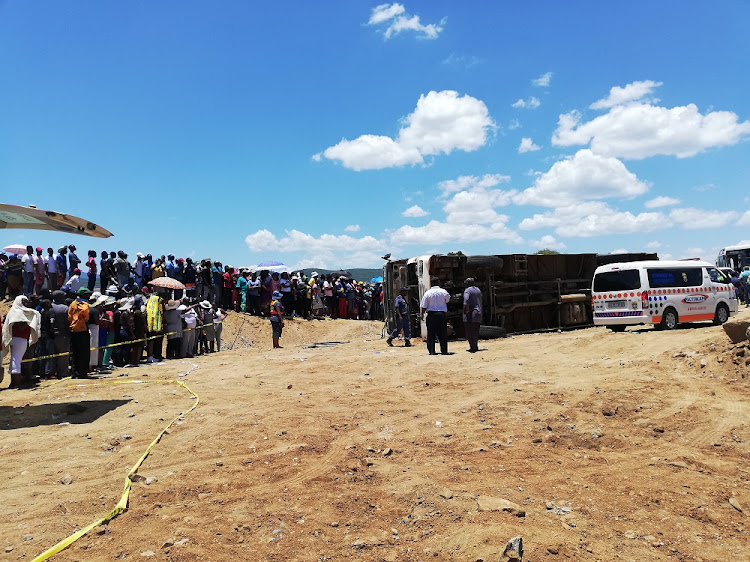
166, 283
15, 249
376, 280
341, 273
15, 216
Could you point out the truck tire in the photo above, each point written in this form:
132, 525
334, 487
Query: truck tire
669, 319
485, 262
491, 332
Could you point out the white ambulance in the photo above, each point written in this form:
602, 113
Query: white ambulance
663, 293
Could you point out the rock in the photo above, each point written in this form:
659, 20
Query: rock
513, 551
168, 543
9, 548
659, 429
28, 538
553, 549
629, 534
679, 464
489, 503
446, 494
219, 463
66, 480
735, 504
369, 461
649, 538
181, 542
740, 352
148, 553
334, 524
609, 412
150, 480
736, 330
387, 452
703, 363
137, 478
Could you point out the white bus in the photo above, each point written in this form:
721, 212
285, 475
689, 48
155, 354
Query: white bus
662, 293
734, 257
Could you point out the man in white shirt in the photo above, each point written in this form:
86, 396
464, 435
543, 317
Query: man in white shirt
51, 265
28, 271
435, 304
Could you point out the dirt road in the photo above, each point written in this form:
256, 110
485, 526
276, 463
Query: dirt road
590, 445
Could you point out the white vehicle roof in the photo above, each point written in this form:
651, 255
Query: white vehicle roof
734, 248
656, 264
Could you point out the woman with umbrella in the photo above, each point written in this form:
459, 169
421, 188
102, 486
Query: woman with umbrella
21, 329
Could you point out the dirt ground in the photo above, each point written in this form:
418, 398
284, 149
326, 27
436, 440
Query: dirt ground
590, 445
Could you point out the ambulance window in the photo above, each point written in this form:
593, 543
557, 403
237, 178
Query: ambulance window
675, 277
716, 275
625, 280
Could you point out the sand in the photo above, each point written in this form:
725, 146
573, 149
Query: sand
590, 445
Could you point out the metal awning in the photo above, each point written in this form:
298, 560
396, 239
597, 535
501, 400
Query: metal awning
15, 216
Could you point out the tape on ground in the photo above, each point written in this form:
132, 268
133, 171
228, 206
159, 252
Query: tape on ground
122, 505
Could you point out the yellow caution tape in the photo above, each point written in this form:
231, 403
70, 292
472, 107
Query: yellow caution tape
122, 505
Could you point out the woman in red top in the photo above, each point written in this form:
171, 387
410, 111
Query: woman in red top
91, 264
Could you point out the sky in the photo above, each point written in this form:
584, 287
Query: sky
327, 134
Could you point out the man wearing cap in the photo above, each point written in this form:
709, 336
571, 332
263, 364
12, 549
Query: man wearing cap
73, 258
78, 316
472, 316
435, 304
402, 318
28, 271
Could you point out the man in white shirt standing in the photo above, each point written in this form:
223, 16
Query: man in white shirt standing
435, 304
28, 271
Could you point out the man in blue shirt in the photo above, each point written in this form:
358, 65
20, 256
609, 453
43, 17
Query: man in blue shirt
73, 258
402, 318
170, 266
435, 304
62, 264
745, 281
472, 316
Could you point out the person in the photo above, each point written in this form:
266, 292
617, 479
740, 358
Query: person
50, 264
62, 334
190, 318
105, 274
3, 261
40, 272
472, 315
253, 294
170, 266
402, 318
179, 275
91, 273
277, 318
328, 296
158, 270
190, 278
140, 329
78, 316
241, 288
73, 258
28, 271
127, 330
208, 334
74, 283
14, 276
217, 282
62, 265
219, 315
20, 329
341, 294
435, 304
138, 269
46, 343
745, 282
287, 296
155, 320
92, 324
106, 332
173, 321
121, 268
229, 280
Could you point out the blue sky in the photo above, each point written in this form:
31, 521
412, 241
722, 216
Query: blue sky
327, 134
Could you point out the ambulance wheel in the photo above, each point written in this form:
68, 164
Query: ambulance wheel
617, 328
722, 314
668, 319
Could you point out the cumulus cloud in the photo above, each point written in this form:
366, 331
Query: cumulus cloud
476, 206
436, 232
465, 61
582, 176
468, 182
415, 211
631, 92
531, 103
527, 145
514, 124
661, 201
744, 220
352, 228
548, 242
400, 21
593, 218
441, 123
654, 245
543, 81
691, 218
639, 130
295, 240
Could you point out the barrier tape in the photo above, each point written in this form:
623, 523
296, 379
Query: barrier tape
33, 359
122, 504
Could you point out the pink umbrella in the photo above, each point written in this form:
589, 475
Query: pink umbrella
15, 249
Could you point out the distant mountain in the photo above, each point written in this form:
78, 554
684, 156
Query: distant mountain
358, 273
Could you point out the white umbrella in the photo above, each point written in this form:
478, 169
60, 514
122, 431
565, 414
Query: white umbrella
15, 249
271, 266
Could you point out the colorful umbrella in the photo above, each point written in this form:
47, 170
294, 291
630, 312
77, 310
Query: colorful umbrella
15, 249
166, 283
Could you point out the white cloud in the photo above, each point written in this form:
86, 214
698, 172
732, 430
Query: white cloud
631, 92
436, 232
693, 253
620, 251
442, 122
547, 242
415, 211
295, 241
468, 182
514, 124
384, 12
582, 176
527, 145
640, 130
543, 81
401, 21
692, 218
653, 245
594, 218
661, 201
352, 228
744, 220
531, 103
465, 61
477, 206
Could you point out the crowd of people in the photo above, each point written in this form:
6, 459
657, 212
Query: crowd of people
59, 324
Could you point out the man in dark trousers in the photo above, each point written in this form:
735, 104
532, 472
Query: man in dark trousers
402, 318
435, 304
472, 313
78, 316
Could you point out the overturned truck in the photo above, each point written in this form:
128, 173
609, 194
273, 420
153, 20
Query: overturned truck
520, 292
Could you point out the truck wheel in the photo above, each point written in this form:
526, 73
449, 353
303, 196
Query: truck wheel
617, 328
669, 319
491, 332
492, 262
722, 314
